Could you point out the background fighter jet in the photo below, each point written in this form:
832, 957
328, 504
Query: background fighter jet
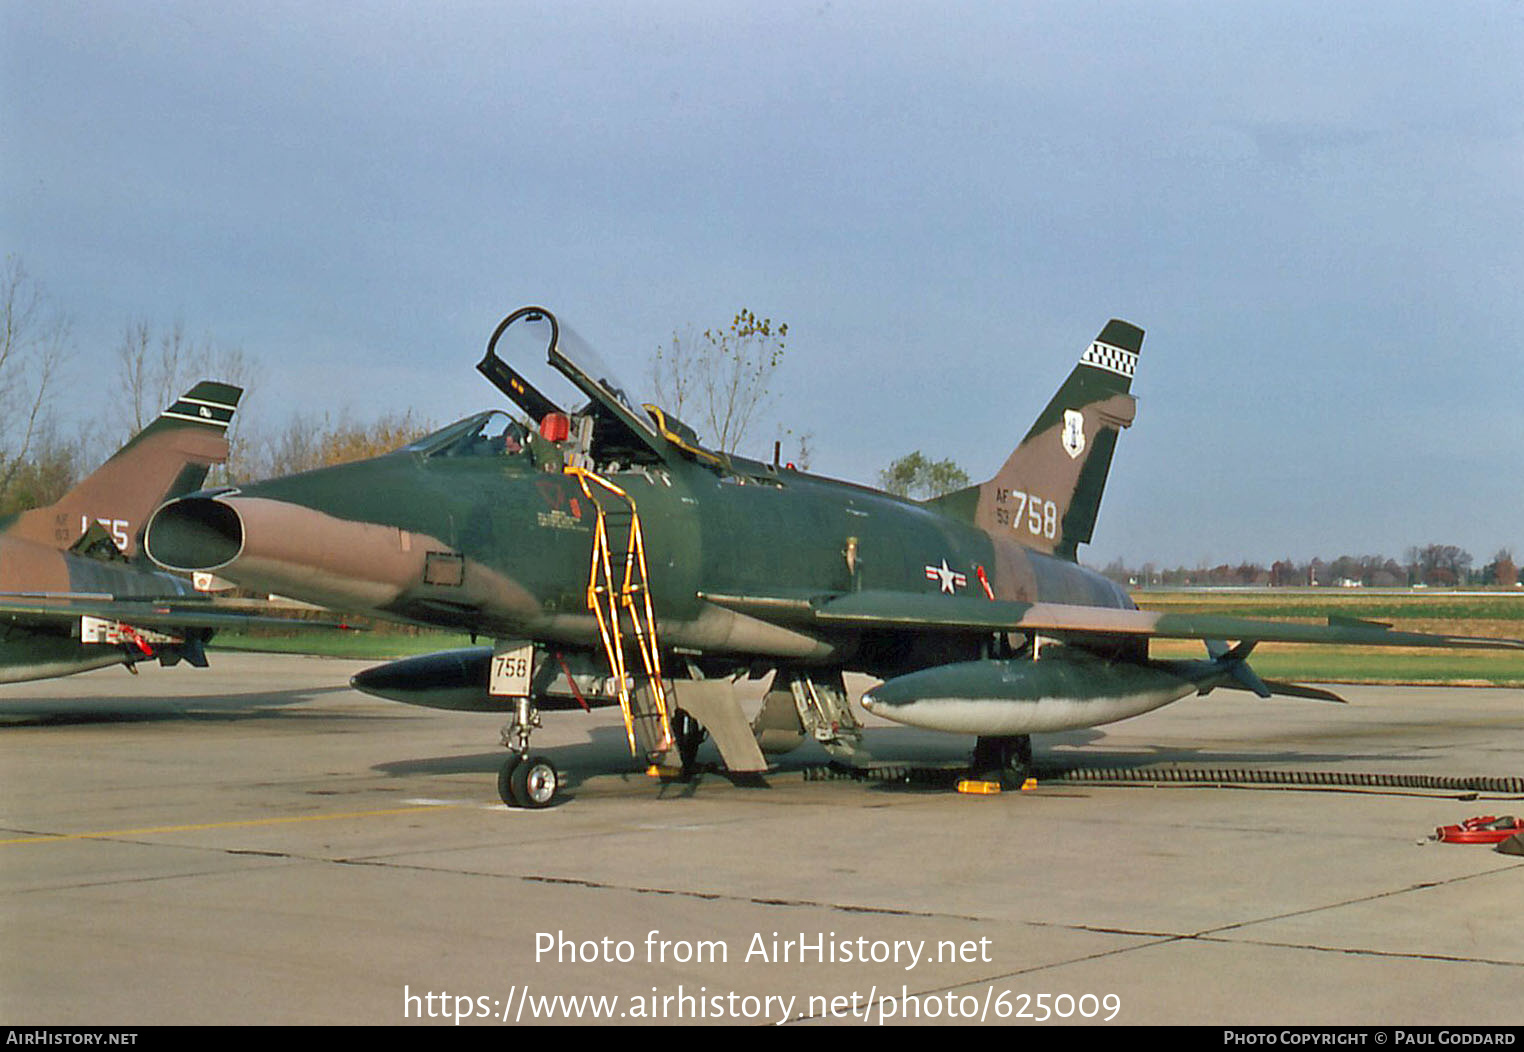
615, 559
76, 593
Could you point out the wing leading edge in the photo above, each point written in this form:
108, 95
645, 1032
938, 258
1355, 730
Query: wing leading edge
184, 613
909, 611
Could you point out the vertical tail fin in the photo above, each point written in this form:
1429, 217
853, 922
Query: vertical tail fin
1048, 493
169, 457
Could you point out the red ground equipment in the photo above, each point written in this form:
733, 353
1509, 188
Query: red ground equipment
1484, 829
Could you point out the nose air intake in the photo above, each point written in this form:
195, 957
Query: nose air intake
194, 533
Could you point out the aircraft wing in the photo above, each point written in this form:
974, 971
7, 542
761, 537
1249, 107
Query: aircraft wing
168, 613
931, 612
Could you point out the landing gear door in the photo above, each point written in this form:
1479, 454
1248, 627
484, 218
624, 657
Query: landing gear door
512, 665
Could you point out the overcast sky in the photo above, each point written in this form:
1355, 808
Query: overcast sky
1316, 211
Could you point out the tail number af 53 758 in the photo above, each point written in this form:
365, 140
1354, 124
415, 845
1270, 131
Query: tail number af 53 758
1033, 514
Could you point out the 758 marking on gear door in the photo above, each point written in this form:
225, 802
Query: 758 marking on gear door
510, 671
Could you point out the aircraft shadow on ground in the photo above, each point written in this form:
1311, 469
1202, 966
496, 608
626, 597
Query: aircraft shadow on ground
604, 752
896, 759
577, 764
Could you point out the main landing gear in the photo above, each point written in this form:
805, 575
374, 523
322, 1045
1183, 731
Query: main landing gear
689, 734
524, 780
1007, 760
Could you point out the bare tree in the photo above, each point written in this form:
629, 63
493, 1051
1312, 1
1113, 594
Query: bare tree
720, 381
795, 448
34, 343
804, 450
296, 448
155, 368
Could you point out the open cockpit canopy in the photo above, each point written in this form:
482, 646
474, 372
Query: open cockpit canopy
610, 427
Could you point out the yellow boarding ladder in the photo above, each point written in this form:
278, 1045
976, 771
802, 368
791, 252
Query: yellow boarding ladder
608, 597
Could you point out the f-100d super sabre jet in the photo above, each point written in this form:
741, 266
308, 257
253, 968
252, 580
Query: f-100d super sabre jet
76, 593
616, 560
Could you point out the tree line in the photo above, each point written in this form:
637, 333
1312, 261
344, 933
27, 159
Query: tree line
1429, 565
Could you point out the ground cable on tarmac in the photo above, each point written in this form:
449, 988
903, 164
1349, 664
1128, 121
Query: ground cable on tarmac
906, 774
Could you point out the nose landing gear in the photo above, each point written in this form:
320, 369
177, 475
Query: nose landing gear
524, 780
528, 781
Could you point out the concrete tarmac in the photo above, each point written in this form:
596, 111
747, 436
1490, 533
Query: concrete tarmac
257, 843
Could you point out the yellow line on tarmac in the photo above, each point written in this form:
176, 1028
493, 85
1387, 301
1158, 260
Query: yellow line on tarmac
225, 825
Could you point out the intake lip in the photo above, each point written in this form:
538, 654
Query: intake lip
194, 533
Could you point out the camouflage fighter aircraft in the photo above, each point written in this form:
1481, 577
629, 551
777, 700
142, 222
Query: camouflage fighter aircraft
75, 592
615, 559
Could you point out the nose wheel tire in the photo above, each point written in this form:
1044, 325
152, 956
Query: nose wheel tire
528, 782
505, 779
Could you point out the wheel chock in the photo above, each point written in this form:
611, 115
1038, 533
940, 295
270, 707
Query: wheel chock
978, 787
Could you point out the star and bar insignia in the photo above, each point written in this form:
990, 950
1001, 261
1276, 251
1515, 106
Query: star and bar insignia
948, 579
